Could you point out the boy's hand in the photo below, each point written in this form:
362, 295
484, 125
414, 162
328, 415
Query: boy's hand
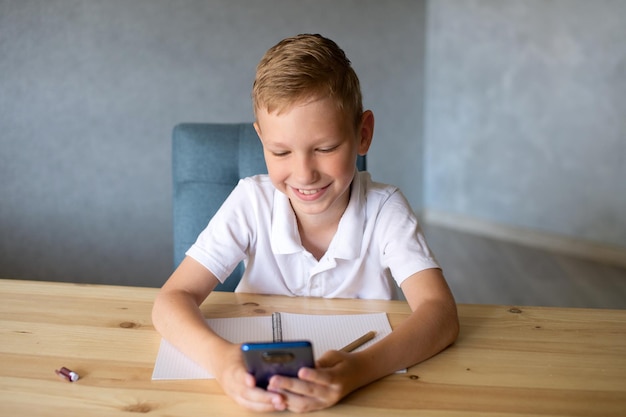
238, 384
335, 376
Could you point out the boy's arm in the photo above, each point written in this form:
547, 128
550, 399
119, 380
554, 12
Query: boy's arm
430, 328
176, 315
176, 312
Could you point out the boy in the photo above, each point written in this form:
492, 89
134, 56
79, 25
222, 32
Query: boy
313, 226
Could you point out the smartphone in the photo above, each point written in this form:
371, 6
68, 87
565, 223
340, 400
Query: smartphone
263, 360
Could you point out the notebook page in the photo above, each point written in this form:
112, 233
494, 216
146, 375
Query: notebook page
173, 364
328, 332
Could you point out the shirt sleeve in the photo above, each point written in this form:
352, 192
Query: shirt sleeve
403, 247
225, 241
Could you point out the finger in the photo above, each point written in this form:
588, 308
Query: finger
287, 385
250, 396
301, 395
258, 399
315, 376
249, 380
330, 359
300, 403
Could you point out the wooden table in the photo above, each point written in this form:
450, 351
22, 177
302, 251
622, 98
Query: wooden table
508, 361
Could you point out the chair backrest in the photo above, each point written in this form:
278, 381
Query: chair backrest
208, 160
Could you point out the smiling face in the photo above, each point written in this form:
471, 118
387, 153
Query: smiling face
310, 150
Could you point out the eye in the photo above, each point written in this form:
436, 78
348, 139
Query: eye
328, 149
279, 154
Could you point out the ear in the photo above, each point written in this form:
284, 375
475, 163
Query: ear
257, 128
366, 132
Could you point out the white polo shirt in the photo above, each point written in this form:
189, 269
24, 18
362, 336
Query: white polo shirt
378, 240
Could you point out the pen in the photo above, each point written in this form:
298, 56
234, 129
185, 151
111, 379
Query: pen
359, 342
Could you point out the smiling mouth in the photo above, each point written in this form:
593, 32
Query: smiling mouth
309, 192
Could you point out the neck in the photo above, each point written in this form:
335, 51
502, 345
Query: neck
317, 231
317, 239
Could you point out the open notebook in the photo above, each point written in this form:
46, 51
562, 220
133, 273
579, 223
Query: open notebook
325, 332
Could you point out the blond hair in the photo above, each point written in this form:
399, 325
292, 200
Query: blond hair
306, 67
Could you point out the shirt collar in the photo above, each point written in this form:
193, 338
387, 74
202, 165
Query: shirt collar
285, 238
347, 241
346, 244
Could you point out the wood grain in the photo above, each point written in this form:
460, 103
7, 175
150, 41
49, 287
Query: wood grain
508, 360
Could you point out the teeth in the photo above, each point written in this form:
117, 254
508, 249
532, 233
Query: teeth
307, 192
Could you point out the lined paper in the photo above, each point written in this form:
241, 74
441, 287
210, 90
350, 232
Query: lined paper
325, 332
328, 332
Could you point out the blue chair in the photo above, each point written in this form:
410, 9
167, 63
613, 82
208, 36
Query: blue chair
208, 160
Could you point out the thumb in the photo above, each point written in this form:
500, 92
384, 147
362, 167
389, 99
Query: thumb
330, 359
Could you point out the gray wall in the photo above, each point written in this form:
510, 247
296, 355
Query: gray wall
523, 114
90, 91
525, 121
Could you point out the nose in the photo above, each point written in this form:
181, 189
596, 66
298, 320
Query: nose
304, 169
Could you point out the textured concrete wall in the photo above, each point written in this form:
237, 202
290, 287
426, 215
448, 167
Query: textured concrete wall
526, 115
90, 91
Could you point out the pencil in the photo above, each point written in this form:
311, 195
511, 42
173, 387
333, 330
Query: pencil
359, 342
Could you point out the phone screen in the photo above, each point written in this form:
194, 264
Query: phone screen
263, 360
